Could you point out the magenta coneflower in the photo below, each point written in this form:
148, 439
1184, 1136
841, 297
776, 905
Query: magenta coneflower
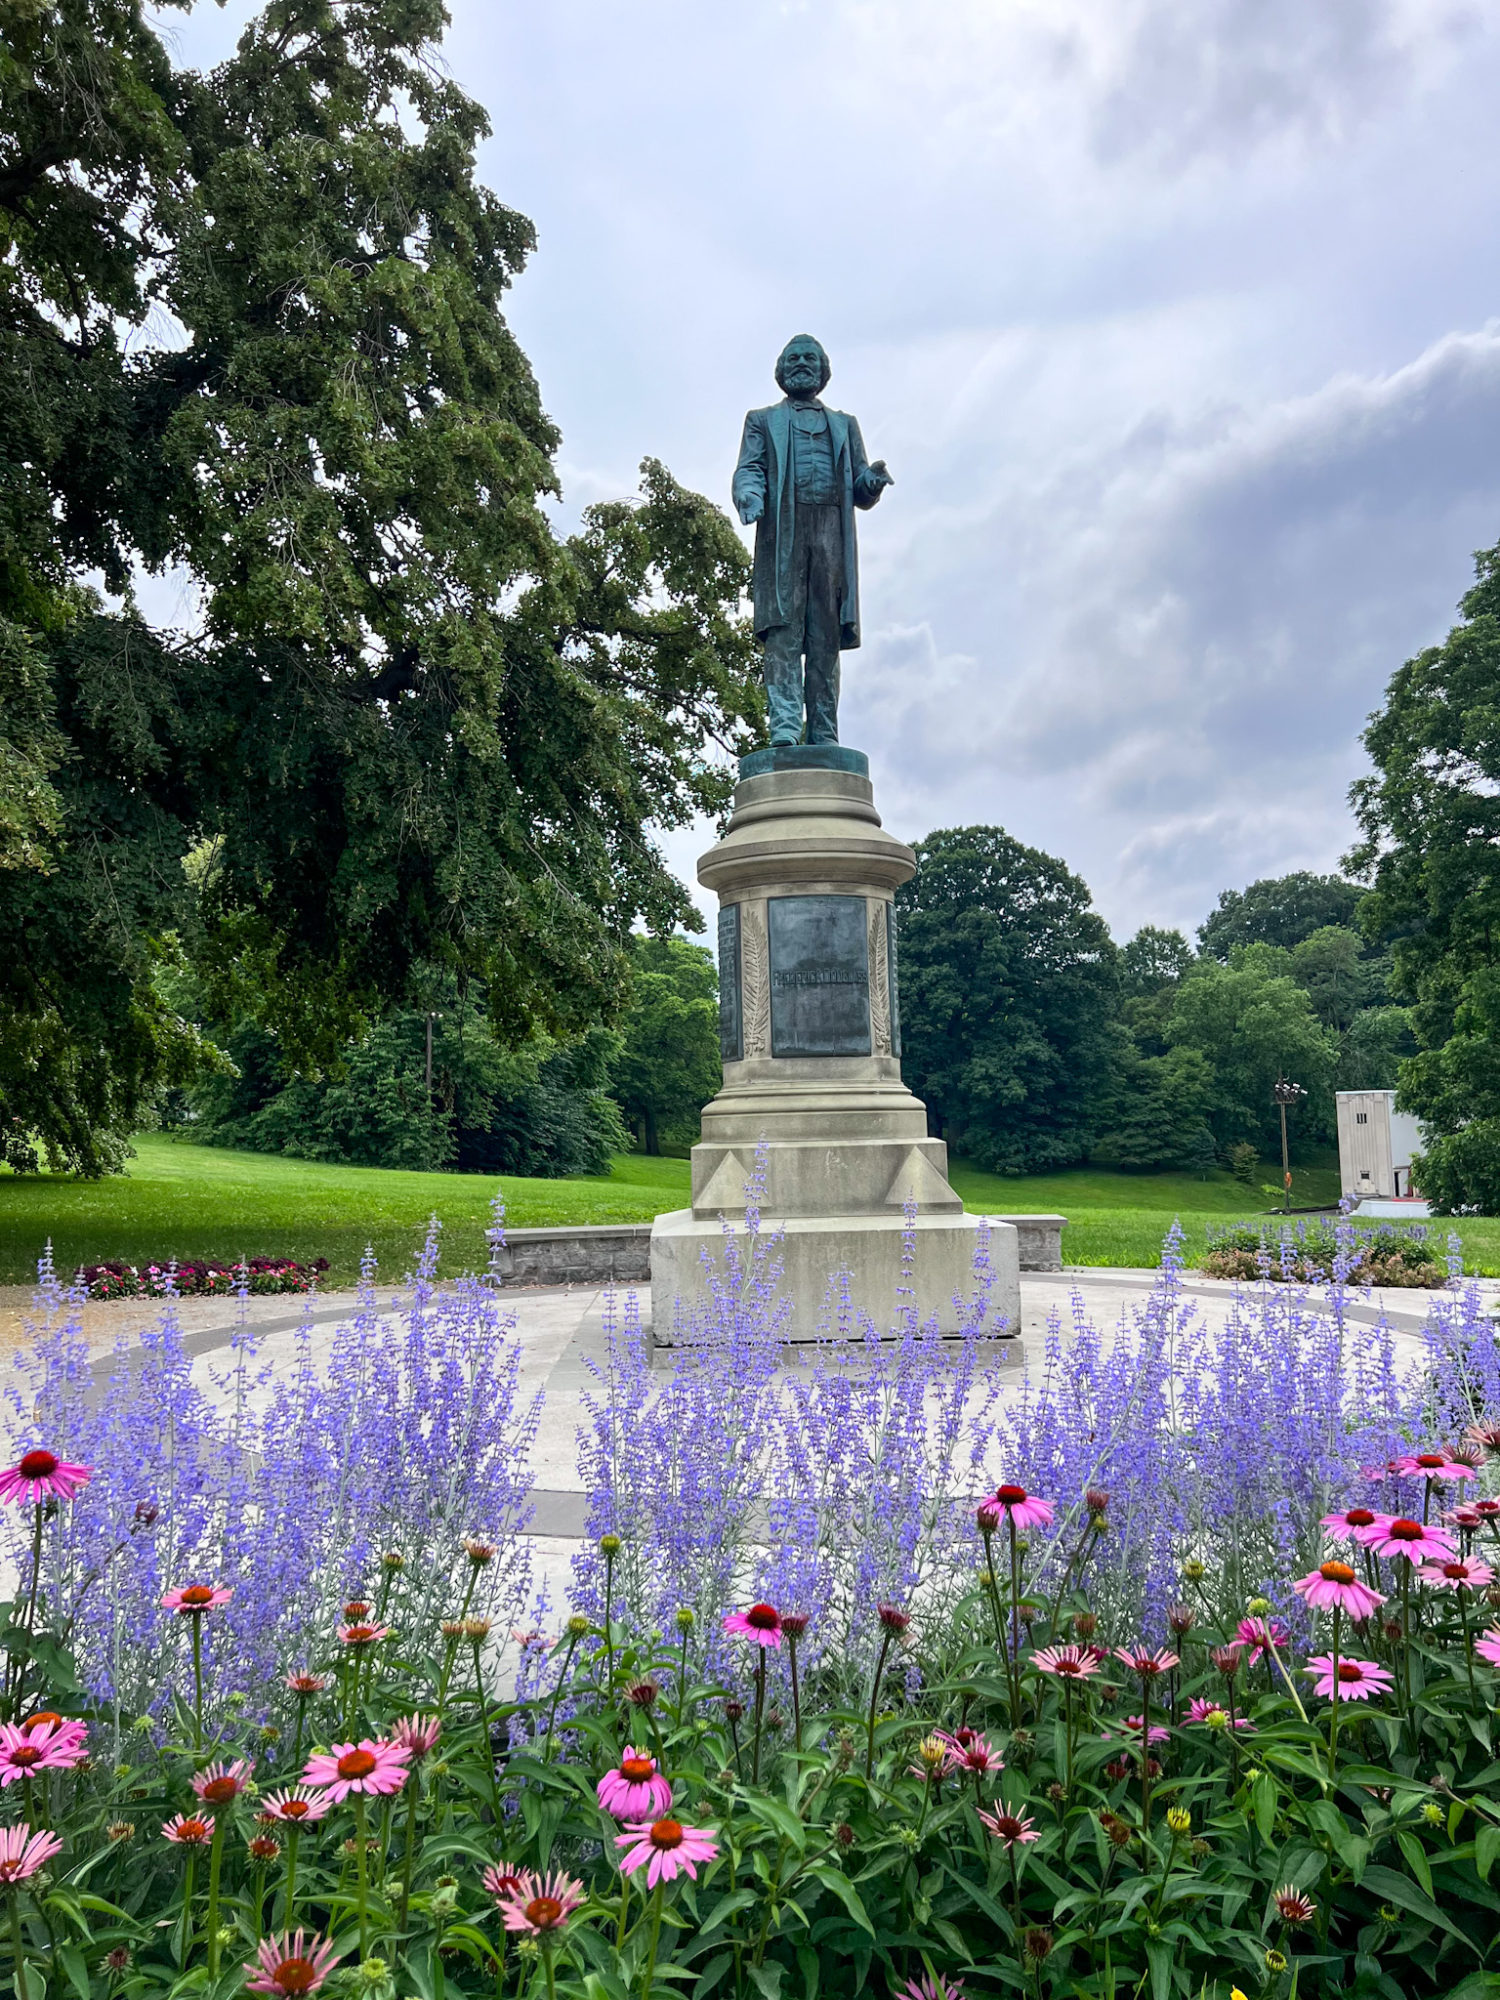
1436, 1465
892, 1619
1456, 1574
1487, 1645
975, 1755
23, 1852
1335, 1587
1022, 1509
1412, 1541
1293, 1906
418, 1733
635, 1789
296, 1805
666, 1849
1068, 1663
1010, 1829
1149, 1666
1353, 1525
193, 1599
292, 1964
24, 1751
932, 1986
305, 1683
1260, 1635
540, 1902
41, 1475
1132, 1728
1463, 1517
1357, 1679
761, 1625
188, 1830
502, 1881
1215, 1714
363, 1635
366, 1766
220, 1784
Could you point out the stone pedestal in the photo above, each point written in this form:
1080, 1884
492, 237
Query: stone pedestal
810, 1033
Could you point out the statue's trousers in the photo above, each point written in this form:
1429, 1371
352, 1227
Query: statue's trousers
812, 630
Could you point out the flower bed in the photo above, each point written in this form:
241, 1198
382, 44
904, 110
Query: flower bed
1172, 1674
257, 1275
1305, 1253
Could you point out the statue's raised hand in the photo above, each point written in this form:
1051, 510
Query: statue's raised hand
878, 468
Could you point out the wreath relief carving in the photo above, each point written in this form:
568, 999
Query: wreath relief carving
880, 981
757, 979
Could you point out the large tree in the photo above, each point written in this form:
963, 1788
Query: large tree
1251, 1022
1430, 818
669, 1064
1009, 986
415, 733
1279, 909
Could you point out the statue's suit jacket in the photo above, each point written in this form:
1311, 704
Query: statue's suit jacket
765, 472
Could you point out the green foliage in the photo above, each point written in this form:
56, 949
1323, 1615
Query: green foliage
1334, 970
1281, 910
1252, 1022
669, 1064
1009, 982
1430, 820
1159, 1114
1378, 1041
416, 729
1244, 1163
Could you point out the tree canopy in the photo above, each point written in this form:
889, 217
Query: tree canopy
1280, 910
1430, 819
1009, 986
669, 1064
251, 333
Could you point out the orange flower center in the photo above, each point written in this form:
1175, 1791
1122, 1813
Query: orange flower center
264, 1848
764, 1617
666, 1834
356, 1764
544, 1912
295, 1975
1428, 1459
1010, 1496
26, 1754
295, 1809
637, 1769
359, 1635
45, 1718
1335, 1572
38, 1465
1069, 1667
1359, 1517
1458, 1571
357, 1609
198, 1593
193, 1829
1349, 1672
1406, 1531
219, 1791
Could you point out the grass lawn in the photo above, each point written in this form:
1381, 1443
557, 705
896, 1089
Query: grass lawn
181, 1200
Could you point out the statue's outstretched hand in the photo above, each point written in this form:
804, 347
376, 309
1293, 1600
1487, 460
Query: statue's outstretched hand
751, 510
878, 468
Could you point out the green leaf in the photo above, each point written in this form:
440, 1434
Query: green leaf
767, 1979
807, 1965
1390, 1887
715, 1969
1160, 1952
840, 1886
1416, 1858
1263, 1796
1486, 1848
742, 1899
74, 1964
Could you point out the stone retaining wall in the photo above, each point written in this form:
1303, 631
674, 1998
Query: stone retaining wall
620, 1252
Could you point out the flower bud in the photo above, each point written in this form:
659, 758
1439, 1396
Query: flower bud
1180, 1820
1194, 1570
577, 1626
610, 1545
1258, 1606
685, 1621
1433, 1814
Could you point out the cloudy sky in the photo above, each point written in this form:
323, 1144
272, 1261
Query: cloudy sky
1178, 322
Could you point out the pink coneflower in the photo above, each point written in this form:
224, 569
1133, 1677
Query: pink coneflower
296, 1805
305, 1683
221, 1784
1292, 1906
635, 1789
1487, 1645
1486, 1436
976, 1756
187, 1830
363, 1635
1335, 1587
665, 1849
1132, 1728
1022, 1509
1464, 1517
366, 1766
47, 1724
1147, 1665
291, 1965
418, 1733
193, 1599
1353, 1525
1487, 1510
1069, 1663
502, 1881
539, 1902
892, 1619
1456, 1574
795, 1623
1357, 1679
1412, 1541
23, 1752
23, 1852
1226, 1659
41, 1475
1260, 1635
932, 1986
1435, 1465
761, 1625
1201, 1709
1010, 1829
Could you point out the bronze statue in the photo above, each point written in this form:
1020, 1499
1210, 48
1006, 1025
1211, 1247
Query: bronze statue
802, 472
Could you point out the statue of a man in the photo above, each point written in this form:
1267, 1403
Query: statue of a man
802, 473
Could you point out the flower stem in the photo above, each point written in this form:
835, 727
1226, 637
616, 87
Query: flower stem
1145, 1755
484, 1733
22, 1992
791, 1644
557, 1695
760, 1703
885, 1646
682, 1677
187, 1907
655, 1941
1333, 1719
609, 1640
412, 1797
547, 1964
197, 1683
215, 1859
1015, 1624
36, 1576
362, 1875
293, 1830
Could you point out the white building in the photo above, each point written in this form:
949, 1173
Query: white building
1376, 1144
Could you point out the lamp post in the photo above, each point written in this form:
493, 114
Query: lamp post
1282, 1095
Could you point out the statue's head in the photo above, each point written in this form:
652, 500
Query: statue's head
802, 365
